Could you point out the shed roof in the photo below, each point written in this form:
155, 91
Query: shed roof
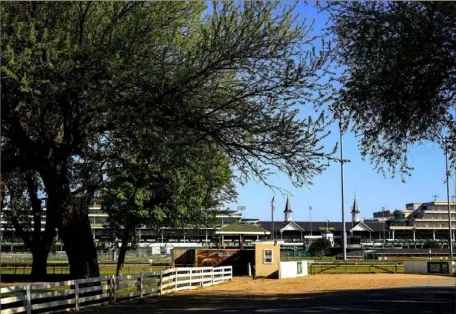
242, 228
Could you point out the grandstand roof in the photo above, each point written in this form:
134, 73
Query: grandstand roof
320, 225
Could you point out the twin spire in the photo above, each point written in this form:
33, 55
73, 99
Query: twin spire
288, 212
355, 212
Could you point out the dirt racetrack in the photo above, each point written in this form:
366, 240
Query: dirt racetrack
317, 294
317, 283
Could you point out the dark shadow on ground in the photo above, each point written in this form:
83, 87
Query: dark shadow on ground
424, 299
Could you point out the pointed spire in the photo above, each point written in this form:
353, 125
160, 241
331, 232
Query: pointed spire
287, 212
355, 212
287, 207
355, 209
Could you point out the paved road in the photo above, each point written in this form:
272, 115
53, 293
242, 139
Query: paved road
438, 298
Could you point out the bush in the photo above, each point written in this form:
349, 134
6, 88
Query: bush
320, 247
430, 244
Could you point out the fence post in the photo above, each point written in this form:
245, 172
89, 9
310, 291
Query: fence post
28, 299
190, 278
140, 285
110, 289
161, 283
395, 267
114, 290
76, 295
175, 278
212, 276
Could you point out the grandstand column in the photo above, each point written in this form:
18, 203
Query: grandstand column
413, 234
433, 234
393, 235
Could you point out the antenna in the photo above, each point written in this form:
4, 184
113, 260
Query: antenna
241, 209
435, 197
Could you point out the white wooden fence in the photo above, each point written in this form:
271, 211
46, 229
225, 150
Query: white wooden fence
76, 294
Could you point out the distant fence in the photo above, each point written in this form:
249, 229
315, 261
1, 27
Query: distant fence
289, 254
64, 268
76, 294
140, 254
354, 268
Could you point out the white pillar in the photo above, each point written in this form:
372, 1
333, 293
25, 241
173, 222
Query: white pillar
393, 235
433, 234
413, 234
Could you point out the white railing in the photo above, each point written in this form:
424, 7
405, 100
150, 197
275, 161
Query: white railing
76, 294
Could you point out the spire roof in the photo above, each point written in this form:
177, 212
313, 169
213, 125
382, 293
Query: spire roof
287, 207
355, 209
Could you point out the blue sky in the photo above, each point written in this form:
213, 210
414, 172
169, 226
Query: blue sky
372, 189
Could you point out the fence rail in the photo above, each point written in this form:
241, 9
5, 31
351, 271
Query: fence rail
64, 268
76, 294
355, 268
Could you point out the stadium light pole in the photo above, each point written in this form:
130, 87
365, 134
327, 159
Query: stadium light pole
272, 218
450, 240
384, 236
310, 217
344, 234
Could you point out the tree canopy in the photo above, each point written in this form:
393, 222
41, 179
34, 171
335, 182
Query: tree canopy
85, 82
320, 247
399, 81
165, 190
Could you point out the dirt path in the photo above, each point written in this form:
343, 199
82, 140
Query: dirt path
345, 294
318, 283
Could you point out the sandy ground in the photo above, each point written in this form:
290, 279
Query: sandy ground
318, 284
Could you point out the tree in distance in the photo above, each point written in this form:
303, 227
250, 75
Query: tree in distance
320, 247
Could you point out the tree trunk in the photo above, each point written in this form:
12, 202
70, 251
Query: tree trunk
80, 248
71, 214
39, 265
121, 260
123, 251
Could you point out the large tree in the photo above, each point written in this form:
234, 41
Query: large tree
399, 79
164, 190
23, 210
77, 76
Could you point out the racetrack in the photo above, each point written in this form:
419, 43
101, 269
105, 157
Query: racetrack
405, 294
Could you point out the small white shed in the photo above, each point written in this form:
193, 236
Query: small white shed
293, 269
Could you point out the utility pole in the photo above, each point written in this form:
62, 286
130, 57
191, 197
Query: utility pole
272, 218
450, 240
310, 216
384, 237
344, 234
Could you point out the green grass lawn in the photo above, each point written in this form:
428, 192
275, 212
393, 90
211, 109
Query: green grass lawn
101, 260
104, 270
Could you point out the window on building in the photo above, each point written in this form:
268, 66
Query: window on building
267, 256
